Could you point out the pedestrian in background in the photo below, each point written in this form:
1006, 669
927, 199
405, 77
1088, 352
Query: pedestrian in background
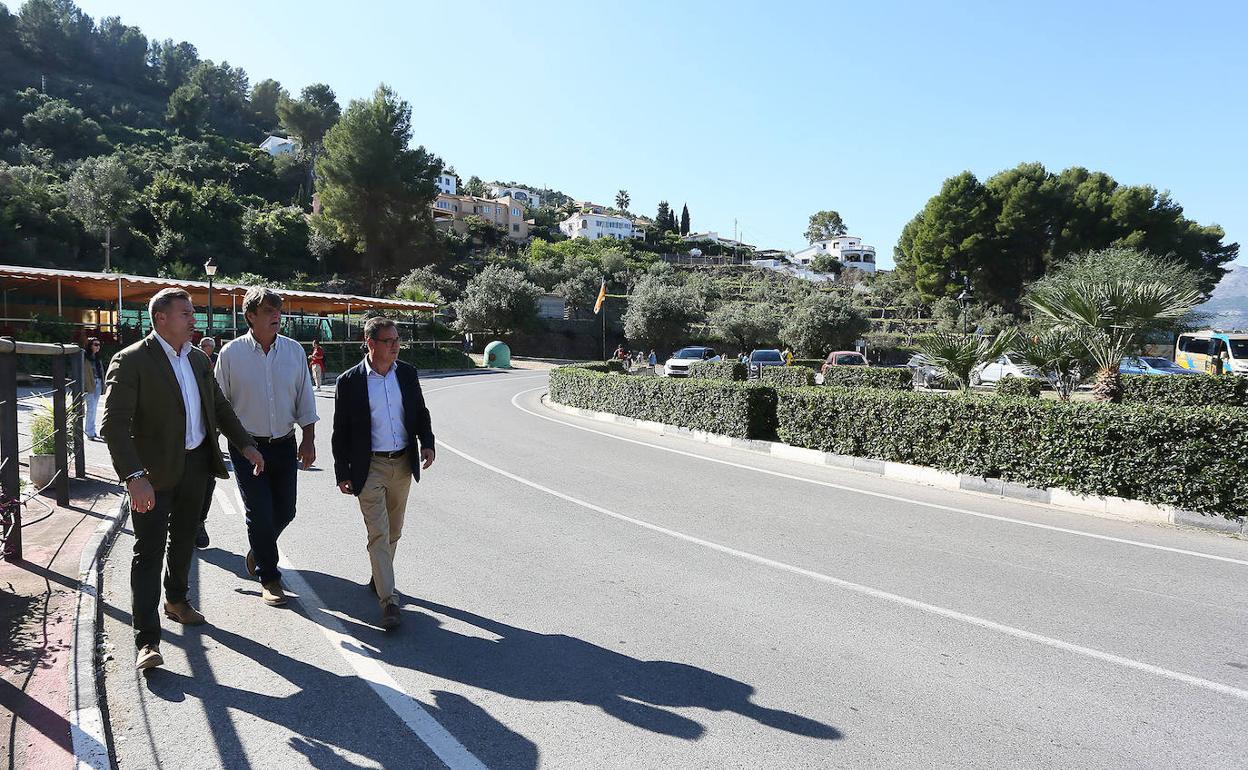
209, 346
265, 376
92, 384
382, 439
162, 411
317, 362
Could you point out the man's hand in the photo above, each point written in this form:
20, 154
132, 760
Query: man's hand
256, 459
142, 496
307, 451
426, 458
345, 487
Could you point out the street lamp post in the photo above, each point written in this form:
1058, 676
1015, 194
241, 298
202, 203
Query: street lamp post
964, 300
211, 270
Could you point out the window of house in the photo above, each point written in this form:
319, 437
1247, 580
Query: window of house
515, 228
515, 212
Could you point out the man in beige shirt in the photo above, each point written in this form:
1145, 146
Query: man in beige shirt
264, 375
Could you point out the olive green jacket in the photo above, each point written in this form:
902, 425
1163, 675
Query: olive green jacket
145, 418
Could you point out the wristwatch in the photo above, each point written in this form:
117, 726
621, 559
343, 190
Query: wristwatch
136, 475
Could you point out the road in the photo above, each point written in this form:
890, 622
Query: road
579, 594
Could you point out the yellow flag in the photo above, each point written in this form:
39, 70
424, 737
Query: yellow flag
602, 297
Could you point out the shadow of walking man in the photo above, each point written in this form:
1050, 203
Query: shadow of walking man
555, 667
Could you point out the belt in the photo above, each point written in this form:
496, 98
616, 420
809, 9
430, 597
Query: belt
268, 440
391, 455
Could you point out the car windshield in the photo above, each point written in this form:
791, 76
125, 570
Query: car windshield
689, 353
766, 355
1160, 363
1239, 349
849, 359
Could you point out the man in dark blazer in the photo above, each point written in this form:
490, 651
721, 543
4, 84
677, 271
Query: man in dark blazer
379, 415
162, 414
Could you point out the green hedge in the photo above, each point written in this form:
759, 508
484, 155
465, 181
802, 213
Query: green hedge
728, 408
718, 370
869, 377
1018, 387
1189, 457
592, 366
1185, 390
786, 376
616, 365
809, 363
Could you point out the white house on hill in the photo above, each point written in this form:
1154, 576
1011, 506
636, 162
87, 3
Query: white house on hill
278, 145
847, 249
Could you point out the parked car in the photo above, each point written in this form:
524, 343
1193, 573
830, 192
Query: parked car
924, 374
843, 358
760, 358
680, 361
1152, 365
1002, 368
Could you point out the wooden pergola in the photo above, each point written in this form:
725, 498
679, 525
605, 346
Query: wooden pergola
113, 291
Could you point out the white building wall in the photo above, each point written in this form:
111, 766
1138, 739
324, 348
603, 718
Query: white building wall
847, 249
447, 184
527, 197
595, 226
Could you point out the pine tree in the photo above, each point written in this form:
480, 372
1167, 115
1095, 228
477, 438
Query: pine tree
684, 219
663, 219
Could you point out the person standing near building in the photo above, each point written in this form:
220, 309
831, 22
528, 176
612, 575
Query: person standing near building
317, 362
265, 377
92, 384
162, 411
379, 416
209, 346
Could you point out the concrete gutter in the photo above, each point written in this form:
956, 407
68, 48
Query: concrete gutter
86, 696
1105, 507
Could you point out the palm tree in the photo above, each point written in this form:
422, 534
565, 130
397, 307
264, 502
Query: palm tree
622, 200
955, 355
1108, 316
1055, 354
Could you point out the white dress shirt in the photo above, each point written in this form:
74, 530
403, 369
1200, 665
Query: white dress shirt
385, 406
271, 391
181, 363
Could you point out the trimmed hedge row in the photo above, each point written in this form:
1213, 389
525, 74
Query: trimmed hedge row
728, 408
809, 363
1018, 387
869, 377
1192, 458
1185, 390
718, 370
786, 376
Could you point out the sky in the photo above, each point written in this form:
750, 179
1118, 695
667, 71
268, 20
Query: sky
761, 113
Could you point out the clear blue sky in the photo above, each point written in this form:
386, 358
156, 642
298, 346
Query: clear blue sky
767, 112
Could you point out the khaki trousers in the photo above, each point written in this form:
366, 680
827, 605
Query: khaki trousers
383, 501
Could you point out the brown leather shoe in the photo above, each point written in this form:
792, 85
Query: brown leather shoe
184, 613
273, 594
149, 657
251, 563
390, 617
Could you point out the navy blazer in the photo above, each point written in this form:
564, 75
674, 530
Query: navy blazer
353, 426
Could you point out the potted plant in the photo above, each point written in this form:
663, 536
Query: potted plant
43, 446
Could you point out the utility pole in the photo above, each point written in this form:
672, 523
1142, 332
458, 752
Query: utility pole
108, 248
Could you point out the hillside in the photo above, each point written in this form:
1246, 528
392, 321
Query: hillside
1229, 303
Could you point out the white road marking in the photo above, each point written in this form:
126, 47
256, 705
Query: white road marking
876, 593
880, 495
366, 666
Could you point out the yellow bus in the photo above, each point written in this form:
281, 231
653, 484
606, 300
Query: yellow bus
1194, 350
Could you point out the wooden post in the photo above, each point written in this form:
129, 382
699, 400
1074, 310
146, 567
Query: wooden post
10, 480
75, 377
117, 322
61, 427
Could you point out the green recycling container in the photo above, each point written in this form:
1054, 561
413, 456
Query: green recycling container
498, 355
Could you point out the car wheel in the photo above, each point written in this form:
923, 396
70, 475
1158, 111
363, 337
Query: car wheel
976, 379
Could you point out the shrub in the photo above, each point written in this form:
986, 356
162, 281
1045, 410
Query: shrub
1185, 390
809, 363
617, 366
437, 358
592, 366
1188, 457
727, 408
1018, 387
786, 376
869, 377
43, 429
718, 370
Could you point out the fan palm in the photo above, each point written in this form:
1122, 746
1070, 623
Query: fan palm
955, 355
1108, 316
1055, 354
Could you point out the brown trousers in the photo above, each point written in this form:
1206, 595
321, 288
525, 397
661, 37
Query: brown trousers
383, 502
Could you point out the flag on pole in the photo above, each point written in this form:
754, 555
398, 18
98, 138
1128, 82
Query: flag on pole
602, 297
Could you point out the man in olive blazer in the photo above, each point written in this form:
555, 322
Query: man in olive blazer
162, 414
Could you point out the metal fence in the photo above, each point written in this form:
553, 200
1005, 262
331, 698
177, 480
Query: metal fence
66, 390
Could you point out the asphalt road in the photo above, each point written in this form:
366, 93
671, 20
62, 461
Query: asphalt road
586, 595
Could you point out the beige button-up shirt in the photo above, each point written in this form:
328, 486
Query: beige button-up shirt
269, 392
181, 363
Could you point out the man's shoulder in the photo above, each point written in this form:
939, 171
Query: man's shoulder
290, 343
352, 372
234, 344
129, 352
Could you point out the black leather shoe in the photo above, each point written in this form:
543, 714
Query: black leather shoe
201, 540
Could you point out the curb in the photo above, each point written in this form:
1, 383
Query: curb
1118, 508
86, 715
